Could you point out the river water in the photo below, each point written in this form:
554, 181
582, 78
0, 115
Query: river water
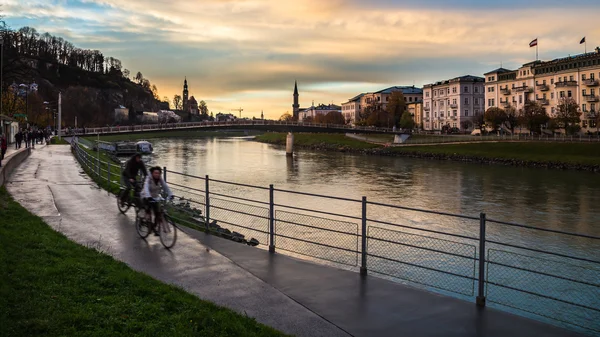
551, 199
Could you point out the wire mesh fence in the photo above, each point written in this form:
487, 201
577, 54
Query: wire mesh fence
318, 237
426, 260
533, 278
559, 290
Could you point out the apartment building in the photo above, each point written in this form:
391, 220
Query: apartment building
547, 82
313, 111
454, 103
352, 109
416, 111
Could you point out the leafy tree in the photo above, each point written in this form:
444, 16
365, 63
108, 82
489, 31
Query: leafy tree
177, 102
126, 73
396, 107
494, 117
286, 117
512, 119
533, 116
479, 122
552, 125
154, 90
139, 77
407, 122
332, 117
203, 108
568, 115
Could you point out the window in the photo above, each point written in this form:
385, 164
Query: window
544, 96
551, 81
448, 91
571, 78
427, 94
593, 107
467, 100
583, 92
520, 99
491, 102
592, 76
592, 92
583, 77
562, 94
553, 109
454, 101
387, 98
466, 113
551, 95
466, 89
427, 104
584, 107
454, 90
569, 94
544, 82
476, 89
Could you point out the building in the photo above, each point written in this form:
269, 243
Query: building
296, 105
121, 114
355, 106
221, 117
9, 128
320, 109
453, 103
546, 82
416, 111
185, 100
193, 106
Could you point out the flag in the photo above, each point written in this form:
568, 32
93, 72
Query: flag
533, 43
582, 40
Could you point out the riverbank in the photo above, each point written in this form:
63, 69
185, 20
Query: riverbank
564, 156
172, 134
52, 286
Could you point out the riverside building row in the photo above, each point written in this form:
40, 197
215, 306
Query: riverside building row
461, 101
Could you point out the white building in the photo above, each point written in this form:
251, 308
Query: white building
352, 109
121, 114
453, 103
320, 109
221, 117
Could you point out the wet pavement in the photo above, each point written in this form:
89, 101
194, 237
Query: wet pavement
51, 184
294, 296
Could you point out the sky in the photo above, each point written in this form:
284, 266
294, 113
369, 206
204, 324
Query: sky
248, 53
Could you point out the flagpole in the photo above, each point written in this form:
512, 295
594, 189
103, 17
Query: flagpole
536, 51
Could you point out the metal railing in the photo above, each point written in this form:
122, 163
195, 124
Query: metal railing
213, 125
555, 277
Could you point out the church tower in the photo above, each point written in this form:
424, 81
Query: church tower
185, 96
296, 106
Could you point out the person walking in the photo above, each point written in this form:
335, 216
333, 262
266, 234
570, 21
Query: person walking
3, 146
18, 140
32, 139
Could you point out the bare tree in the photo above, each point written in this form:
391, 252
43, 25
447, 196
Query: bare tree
177, 102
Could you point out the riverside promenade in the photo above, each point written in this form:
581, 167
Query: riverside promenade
294, 296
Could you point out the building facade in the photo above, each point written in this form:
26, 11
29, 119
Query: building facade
547, 82
355, 106
453, 103
313, 111
416, 111
193, 106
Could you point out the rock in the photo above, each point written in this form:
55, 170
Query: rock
253, 242
224, 231
237, 237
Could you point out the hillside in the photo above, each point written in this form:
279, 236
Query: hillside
92, 85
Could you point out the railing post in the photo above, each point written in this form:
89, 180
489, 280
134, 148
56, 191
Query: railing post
165, 173
207, 202
363, 250
108, 176
480, 292
271, 220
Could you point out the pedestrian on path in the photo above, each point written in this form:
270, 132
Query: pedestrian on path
18, 139
3, 146
31, 137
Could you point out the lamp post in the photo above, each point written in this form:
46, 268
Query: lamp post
1, 74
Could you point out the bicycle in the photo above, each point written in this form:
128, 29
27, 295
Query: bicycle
163, 224
134, 200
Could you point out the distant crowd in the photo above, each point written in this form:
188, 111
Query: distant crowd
31, 137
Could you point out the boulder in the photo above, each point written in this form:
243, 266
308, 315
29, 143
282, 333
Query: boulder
253, 242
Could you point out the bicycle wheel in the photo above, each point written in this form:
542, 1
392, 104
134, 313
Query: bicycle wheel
123, 208
167, 232
141, 226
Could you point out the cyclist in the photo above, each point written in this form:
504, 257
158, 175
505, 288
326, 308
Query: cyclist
153, 187
129, 174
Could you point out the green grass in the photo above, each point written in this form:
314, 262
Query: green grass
332, 141
171, 134
56, 141
51, 286
569, 153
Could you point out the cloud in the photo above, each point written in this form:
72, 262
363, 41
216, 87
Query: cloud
235, 51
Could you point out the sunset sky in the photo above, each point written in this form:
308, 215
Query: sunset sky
248, 53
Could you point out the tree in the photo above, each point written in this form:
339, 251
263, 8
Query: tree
177, 102
126, 73
494, 117
479, 122
396, 108
406, 121
533, 116
154, 90
139, 77
286, 117
552, 125
166, 100
332, 117
568, 115
203, 108
512, 119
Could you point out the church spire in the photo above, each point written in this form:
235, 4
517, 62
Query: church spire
295, 87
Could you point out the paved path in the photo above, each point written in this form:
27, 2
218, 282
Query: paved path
51, 184
275, 289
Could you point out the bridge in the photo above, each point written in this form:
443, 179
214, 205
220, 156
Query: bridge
263, 125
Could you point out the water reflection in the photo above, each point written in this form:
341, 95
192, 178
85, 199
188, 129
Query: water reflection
545, 198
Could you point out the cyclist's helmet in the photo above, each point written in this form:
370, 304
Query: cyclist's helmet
155, 168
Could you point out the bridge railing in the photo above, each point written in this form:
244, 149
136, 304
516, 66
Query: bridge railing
209, 124
543, 273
